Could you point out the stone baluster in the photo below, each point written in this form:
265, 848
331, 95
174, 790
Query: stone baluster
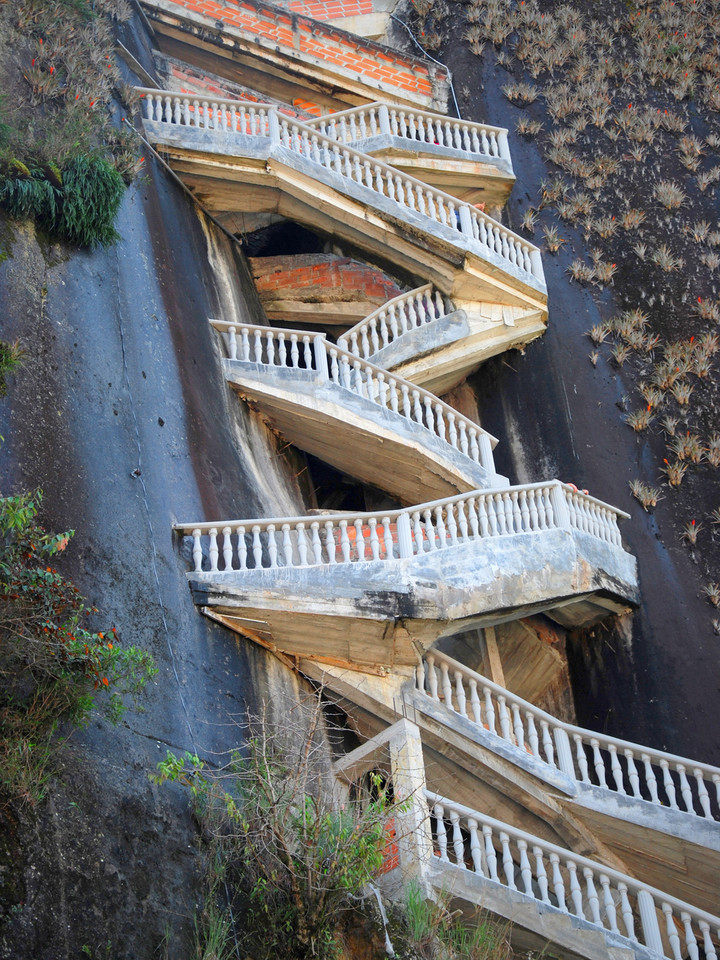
504, 718
507, 859
227, 548
490, 855
575, 889
557, 882
432, 678
302, 544
626, 912
671, 931
344, 541
232, 343
592, 896
547, 743
691, 944
460, 698
257, 547
440, 831
685, 789
197, 550
374, 541
598, 762
633, 775
541, 874
616, 769
668, 784
650, 778
359, 540
458, 843
518, 727
703, 795
316, 542
581, 758
272, 546
446, 686
388, 539
475, 846
213, 549
242, 548
330, 545
608, 903
708, 945
429, 530
489, 709
418, 533
475, 705
532, 734
294, 351
525, 868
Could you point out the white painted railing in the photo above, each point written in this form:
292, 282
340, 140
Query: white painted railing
227, 116
406, 192
575, 885
342, 538
420, 126
594, 758
395, 318
278, 348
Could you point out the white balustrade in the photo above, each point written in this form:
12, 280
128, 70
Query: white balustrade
395, 318
615, 765
228, 116
342, 538
275, 347
236, 116
573, 884
420, 126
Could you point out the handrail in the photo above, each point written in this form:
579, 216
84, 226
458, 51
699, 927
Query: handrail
380, 178
393, 319
502, 853
396, 534
601, 760
280, 348
424, 126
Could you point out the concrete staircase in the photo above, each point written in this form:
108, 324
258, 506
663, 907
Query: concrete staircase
513, 802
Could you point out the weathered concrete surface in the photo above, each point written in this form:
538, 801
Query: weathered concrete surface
440, 354
121, 376
357, 435
234, 171
369, 613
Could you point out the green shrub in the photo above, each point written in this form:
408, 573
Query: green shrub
292, 861
77, 204
53, 667
91, 195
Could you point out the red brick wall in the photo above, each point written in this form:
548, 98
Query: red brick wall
320, 277
320, 40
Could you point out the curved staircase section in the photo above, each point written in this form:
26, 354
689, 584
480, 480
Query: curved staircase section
361, 587
366, 422
323, 183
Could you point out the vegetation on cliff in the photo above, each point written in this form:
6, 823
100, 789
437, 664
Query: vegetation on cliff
63, 163
623, 100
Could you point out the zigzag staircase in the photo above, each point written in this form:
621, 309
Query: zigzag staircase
508, 807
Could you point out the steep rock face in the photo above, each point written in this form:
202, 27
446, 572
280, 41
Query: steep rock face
120, 413
652, 678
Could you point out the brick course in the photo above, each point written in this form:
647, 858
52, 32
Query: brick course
320, 278
319, 39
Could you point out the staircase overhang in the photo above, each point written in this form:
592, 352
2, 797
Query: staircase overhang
291, 56
376, 613
356, 435
235, 172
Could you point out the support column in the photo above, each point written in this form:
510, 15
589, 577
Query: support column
414, 838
